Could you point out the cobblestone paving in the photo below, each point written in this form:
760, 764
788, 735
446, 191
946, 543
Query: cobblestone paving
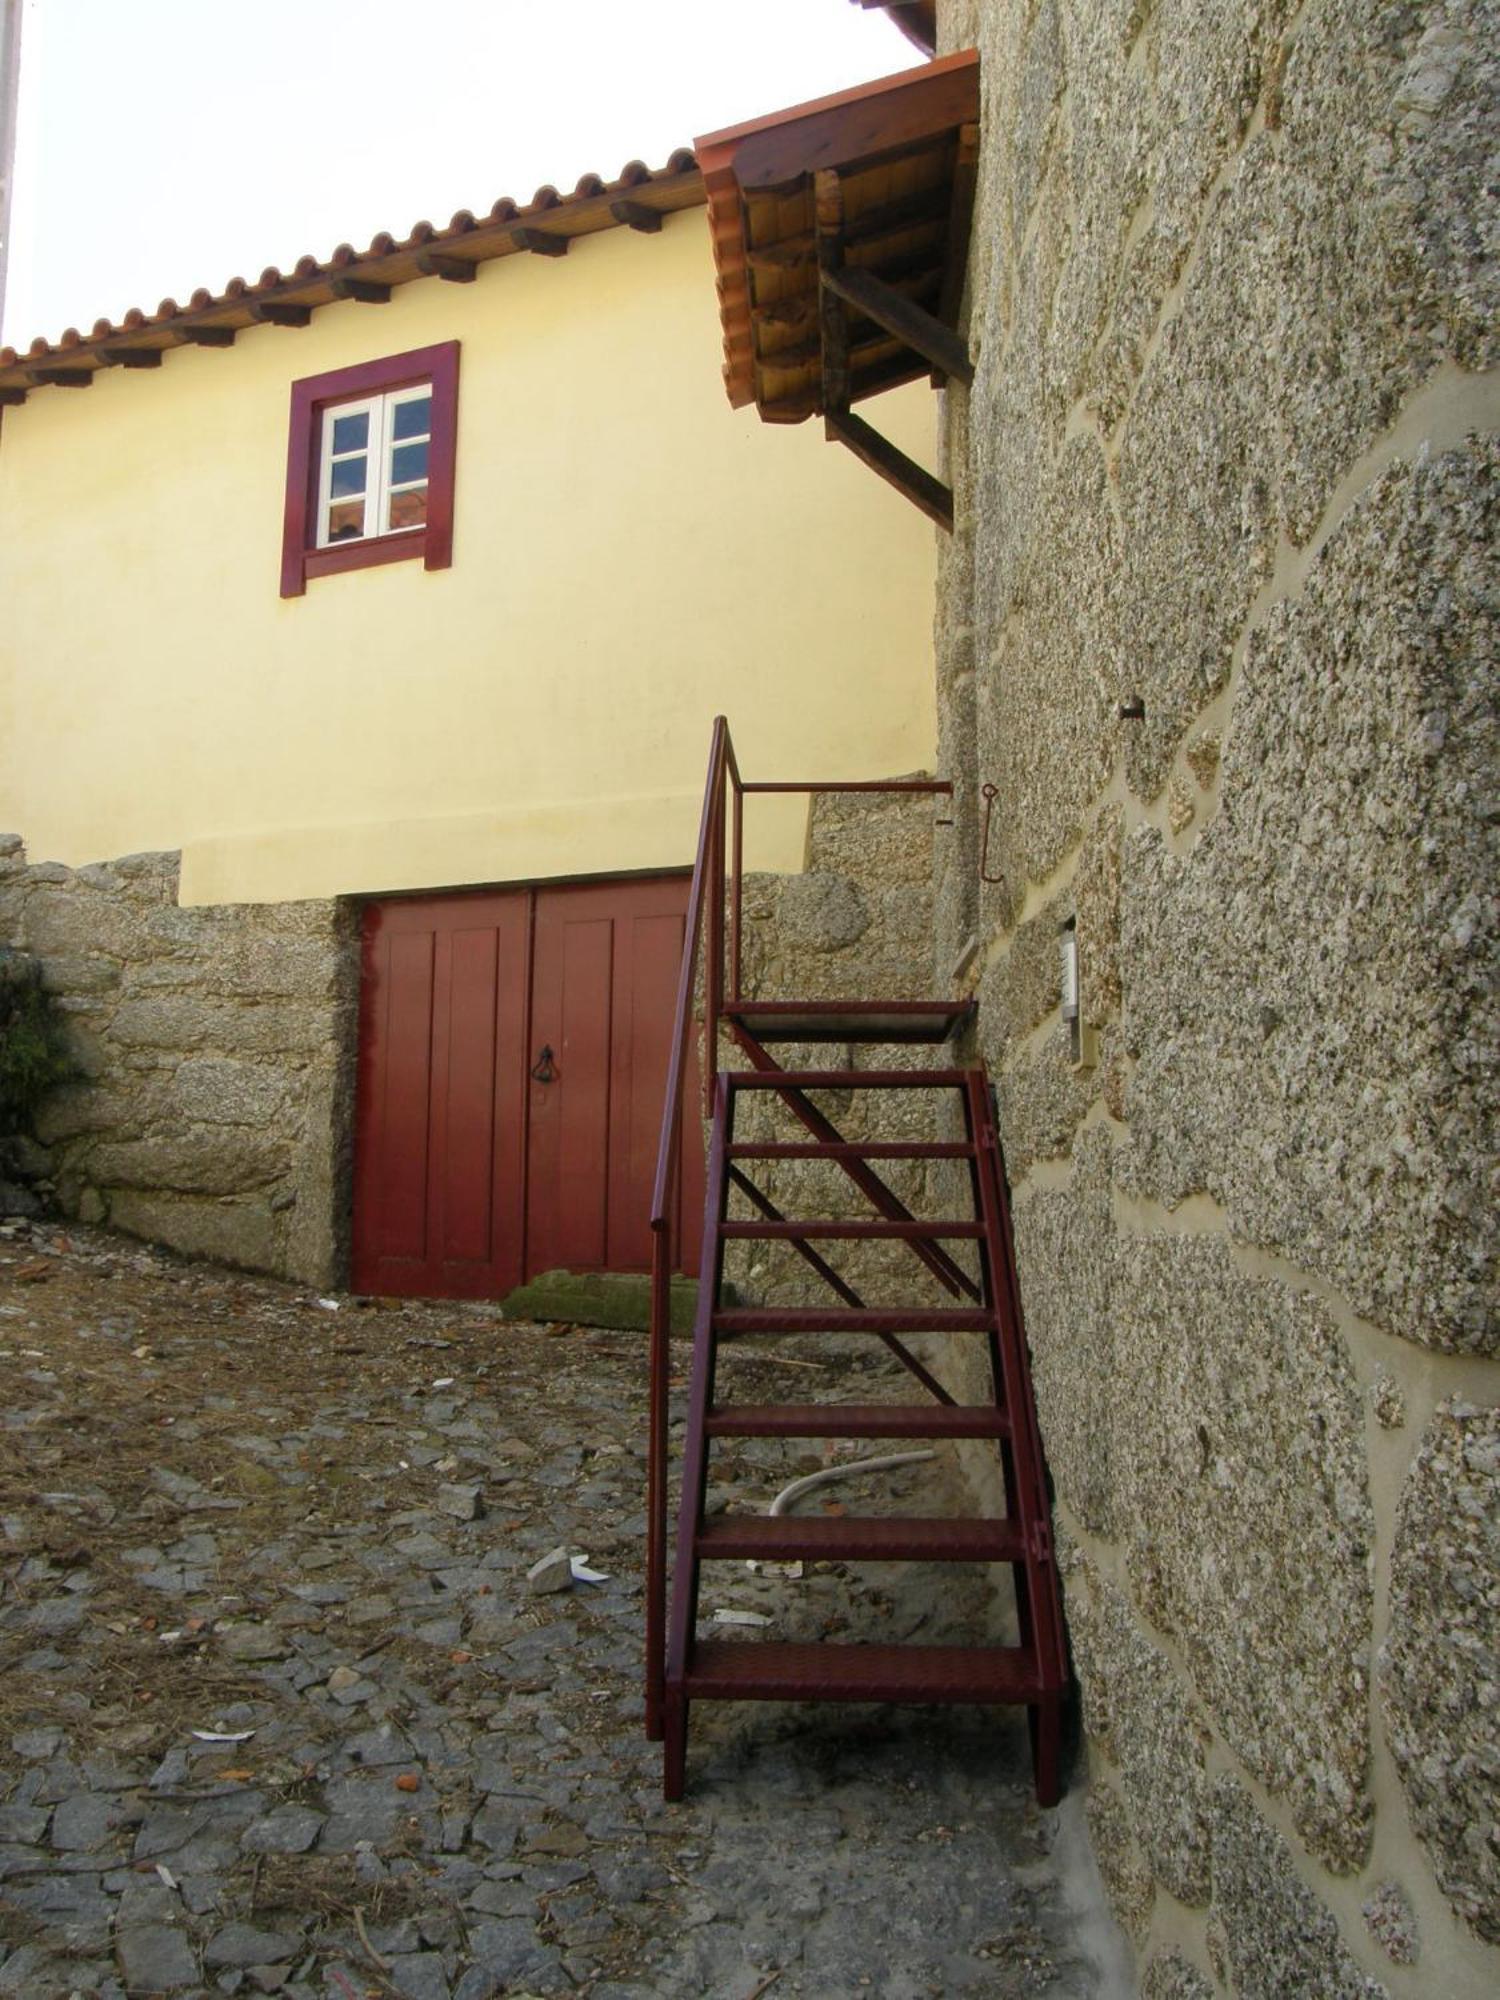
279, 1712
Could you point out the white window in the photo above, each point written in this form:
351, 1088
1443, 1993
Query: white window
372, 466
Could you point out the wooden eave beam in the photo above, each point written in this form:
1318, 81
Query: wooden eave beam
960, 222
833, 321
893, 465
456, 270
540, 242
206, 336
903, 317
365, 290
60, 378
130, 357
280, 312
636, 215
11, 399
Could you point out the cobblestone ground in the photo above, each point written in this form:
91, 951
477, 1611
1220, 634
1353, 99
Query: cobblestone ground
280, 1714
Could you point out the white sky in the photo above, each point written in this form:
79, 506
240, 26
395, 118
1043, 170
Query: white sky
167, 144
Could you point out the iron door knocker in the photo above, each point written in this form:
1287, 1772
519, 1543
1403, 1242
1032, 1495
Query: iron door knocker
543, 1070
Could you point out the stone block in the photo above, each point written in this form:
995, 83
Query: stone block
1051, 677
233, 1232
1146, 1721
1020, 985
1279, 1938
1386, 130
1240, 1492
1096, 906
1311, 991
1065, 1252
203, 1160
1127, 1877
1440, 1666
220, 1091
1198, 477
1044, 1097
1169, 1976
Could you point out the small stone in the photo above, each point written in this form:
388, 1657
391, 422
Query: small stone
244, 1945
1388, 1403
554, 1572
419, 1975
463, 1503
343, 1677
287, 1830
1393, 1923
254, 1642
408, 1782
156, 1959
563, 1840
36, 1745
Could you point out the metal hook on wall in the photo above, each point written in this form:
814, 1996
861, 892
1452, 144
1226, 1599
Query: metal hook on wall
988, 793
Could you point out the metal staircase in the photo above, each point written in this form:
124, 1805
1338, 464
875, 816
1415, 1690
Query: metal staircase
978, 1274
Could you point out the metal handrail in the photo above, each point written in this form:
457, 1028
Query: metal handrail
707, 890
708, 871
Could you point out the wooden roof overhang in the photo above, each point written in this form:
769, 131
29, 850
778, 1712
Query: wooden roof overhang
840, 232
638, 199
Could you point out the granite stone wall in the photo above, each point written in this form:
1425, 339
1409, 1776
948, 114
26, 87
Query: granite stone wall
1230, 459
212, 1110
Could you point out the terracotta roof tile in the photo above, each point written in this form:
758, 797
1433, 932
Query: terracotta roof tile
387, 261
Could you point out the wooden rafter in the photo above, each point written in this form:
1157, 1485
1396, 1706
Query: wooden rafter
893, 465
904, 318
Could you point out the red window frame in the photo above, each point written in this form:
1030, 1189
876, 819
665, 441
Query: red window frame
301, 558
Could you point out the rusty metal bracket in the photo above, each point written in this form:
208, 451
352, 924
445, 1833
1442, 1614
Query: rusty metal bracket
988, 793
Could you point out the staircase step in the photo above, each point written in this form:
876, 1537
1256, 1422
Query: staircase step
857, 1420
865, 1538
772, 1670
843, 1149
846, 1079
876, 1229
832, 1319
849, 1020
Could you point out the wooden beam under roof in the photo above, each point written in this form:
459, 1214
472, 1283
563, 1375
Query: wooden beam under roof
280, 312
920, 487
636, 215
904, 318
366, 290
457, 270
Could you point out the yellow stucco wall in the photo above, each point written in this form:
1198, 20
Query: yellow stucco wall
630, 556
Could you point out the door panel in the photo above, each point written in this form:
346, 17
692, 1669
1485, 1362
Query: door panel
439, 1165
469, 1174
567, 1200
604, 990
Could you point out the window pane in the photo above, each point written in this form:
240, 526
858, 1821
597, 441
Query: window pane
412, 420
351, 433
409, 509
348, 476
408, 461
346, 520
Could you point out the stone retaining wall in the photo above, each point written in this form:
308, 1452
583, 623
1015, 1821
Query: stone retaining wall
215, 1048
1229, 454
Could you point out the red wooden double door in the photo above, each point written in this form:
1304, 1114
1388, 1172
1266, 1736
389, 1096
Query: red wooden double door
513, 1051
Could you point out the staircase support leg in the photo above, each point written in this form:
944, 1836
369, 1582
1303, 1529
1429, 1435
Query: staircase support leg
1046, 1737
674, 1760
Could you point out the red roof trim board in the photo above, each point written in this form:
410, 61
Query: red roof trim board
777, 153
638, 198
